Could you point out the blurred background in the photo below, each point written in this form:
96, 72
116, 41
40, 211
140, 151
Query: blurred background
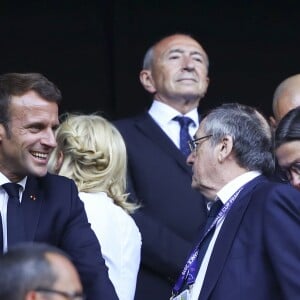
93, 50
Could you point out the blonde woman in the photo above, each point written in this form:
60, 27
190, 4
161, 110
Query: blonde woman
91, 151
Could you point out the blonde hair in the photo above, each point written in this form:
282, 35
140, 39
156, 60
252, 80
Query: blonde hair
94, 156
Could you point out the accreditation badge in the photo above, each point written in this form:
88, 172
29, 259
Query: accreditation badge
184, 295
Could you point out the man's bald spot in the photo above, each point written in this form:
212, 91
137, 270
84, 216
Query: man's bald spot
286, 96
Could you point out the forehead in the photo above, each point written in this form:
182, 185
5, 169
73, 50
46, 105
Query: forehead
67, 277
285, 104
32, 105
200, 132
288, 153
180, 42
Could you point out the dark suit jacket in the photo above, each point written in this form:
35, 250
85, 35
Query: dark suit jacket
172, 213
257, 252
54, 214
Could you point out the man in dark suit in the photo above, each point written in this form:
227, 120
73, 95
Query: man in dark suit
175, 71
34, 205
252, 245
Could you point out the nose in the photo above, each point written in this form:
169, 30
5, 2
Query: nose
190, 158
188, 63
295, 180
49, 138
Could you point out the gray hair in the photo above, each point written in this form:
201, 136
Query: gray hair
148, 58
149, 55
251, 134
26, 267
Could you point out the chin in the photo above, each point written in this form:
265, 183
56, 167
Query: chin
196, 186
39, 173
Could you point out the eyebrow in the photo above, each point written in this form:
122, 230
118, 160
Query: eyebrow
178, 50
286, 166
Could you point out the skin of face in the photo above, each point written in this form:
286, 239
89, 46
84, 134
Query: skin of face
285, 103
179, 71
68, 278
284, 106
205, 166
26, 150
287, 154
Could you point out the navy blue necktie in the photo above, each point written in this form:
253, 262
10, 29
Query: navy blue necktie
213, 212
184, 134
1, 235
15, 224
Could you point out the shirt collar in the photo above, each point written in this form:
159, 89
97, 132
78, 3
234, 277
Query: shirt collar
231, 187
164, 114
4, 179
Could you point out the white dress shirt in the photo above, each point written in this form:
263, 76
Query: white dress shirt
224, 195
3, 205
163, 115
119, 238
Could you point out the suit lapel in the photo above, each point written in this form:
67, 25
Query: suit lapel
226, 236
150, 129
31, 206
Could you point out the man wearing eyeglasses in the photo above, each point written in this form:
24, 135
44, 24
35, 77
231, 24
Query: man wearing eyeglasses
287, 143
37, 271
249, 248
175, 72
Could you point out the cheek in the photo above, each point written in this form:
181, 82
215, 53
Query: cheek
198, 166
279, 157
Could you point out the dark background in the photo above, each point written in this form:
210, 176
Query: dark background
93, 50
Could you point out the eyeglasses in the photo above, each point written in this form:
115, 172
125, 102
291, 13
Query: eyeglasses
194, 143
285, 174
66, 295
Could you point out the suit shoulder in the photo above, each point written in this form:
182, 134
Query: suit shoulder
50, 179
277, 191
120, 123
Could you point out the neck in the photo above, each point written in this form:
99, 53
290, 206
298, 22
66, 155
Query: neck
182, 105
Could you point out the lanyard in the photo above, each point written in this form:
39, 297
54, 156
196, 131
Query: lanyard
191, 268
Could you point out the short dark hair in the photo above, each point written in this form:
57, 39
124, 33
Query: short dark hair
18, 84
288, 128
25, 267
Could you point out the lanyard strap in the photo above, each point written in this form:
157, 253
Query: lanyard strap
191, 268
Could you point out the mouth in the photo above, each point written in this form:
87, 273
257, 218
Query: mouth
39, 155
187, 80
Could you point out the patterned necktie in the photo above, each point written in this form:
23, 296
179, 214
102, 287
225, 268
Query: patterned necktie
15, 224
184, 134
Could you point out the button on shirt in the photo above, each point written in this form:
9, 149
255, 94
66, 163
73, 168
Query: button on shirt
224, 195
163, 115
3, 206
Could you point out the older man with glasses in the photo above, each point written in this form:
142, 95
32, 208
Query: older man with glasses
249, 248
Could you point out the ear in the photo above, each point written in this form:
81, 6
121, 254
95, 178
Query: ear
207, 84
2, 132
147, 81
59, 161
207, 81
225, 148
32, 295
273, 122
